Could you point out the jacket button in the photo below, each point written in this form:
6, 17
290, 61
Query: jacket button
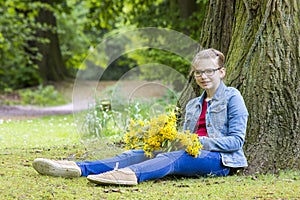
208, 124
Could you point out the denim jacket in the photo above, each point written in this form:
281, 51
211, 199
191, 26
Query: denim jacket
226, 122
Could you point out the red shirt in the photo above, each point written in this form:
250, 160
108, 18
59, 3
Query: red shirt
201, 124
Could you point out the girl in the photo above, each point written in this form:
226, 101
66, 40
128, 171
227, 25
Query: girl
218, 116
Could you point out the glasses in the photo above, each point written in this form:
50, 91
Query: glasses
207, 72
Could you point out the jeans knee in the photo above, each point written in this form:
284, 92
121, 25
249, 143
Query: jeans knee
133, 152
174, 155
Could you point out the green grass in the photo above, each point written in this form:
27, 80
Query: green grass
57, 138
46, 131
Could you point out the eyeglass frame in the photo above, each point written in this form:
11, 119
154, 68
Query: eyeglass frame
204, 72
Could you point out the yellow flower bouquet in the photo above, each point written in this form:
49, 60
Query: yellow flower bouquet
160, 134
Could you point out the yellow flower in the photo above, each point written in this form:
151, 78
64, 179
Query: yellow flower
160, 133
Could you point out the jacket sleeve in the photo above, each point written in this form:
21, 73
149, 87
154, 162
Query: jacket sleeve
234, 139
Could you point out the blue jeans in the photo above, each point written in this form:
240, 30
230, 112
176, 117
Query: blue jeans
176, 162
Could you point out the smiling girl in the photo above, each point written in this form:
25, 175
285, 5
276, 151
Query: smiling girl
219, 118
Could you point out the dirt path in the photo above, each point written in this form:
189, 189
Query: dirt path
25, 112
84, 93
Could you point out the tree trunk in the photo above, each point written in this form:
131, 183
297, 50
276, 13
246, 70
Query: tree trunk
216, 33
263, 59
51, 65
217, 29
186, 8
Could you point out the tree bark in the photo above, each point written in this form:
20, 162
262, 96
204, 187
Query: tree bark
51, 65
217, 29
263, 62
261, 44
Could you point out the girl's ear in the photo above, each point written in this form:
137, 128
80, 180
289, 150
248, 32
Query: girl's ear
222, 72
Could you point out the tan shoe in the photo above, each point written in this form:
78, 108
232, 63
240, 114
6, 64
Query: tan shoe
123, 176
63, 168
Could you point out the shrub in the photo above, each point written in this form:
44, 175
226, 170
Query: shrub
42, 96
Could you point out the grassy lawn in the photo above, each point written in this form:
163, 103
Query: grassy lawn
57, 138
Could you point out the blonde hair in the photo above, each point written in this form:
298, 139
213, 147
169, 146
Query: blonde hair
216, 56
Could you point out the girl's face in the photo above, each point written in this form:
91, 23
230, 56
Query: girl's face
208, 75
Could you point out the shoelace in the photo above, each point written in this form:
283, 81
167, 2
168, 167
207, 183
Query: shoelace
116, 167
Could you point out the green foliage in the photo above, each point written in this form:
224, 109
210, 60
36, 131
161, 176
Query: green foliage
168, 59
16, 30
42, 96
80, 26
152, 13
165, 14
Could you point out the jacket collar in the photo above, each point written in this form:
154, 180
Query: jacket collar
218, 95
220, 91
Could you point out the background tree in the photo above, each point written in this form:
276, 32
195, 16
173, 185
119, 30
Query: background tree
51, 65
261, 42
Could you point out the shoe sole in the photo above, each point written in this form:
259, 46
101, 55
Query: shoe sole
48, 167
102, 181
